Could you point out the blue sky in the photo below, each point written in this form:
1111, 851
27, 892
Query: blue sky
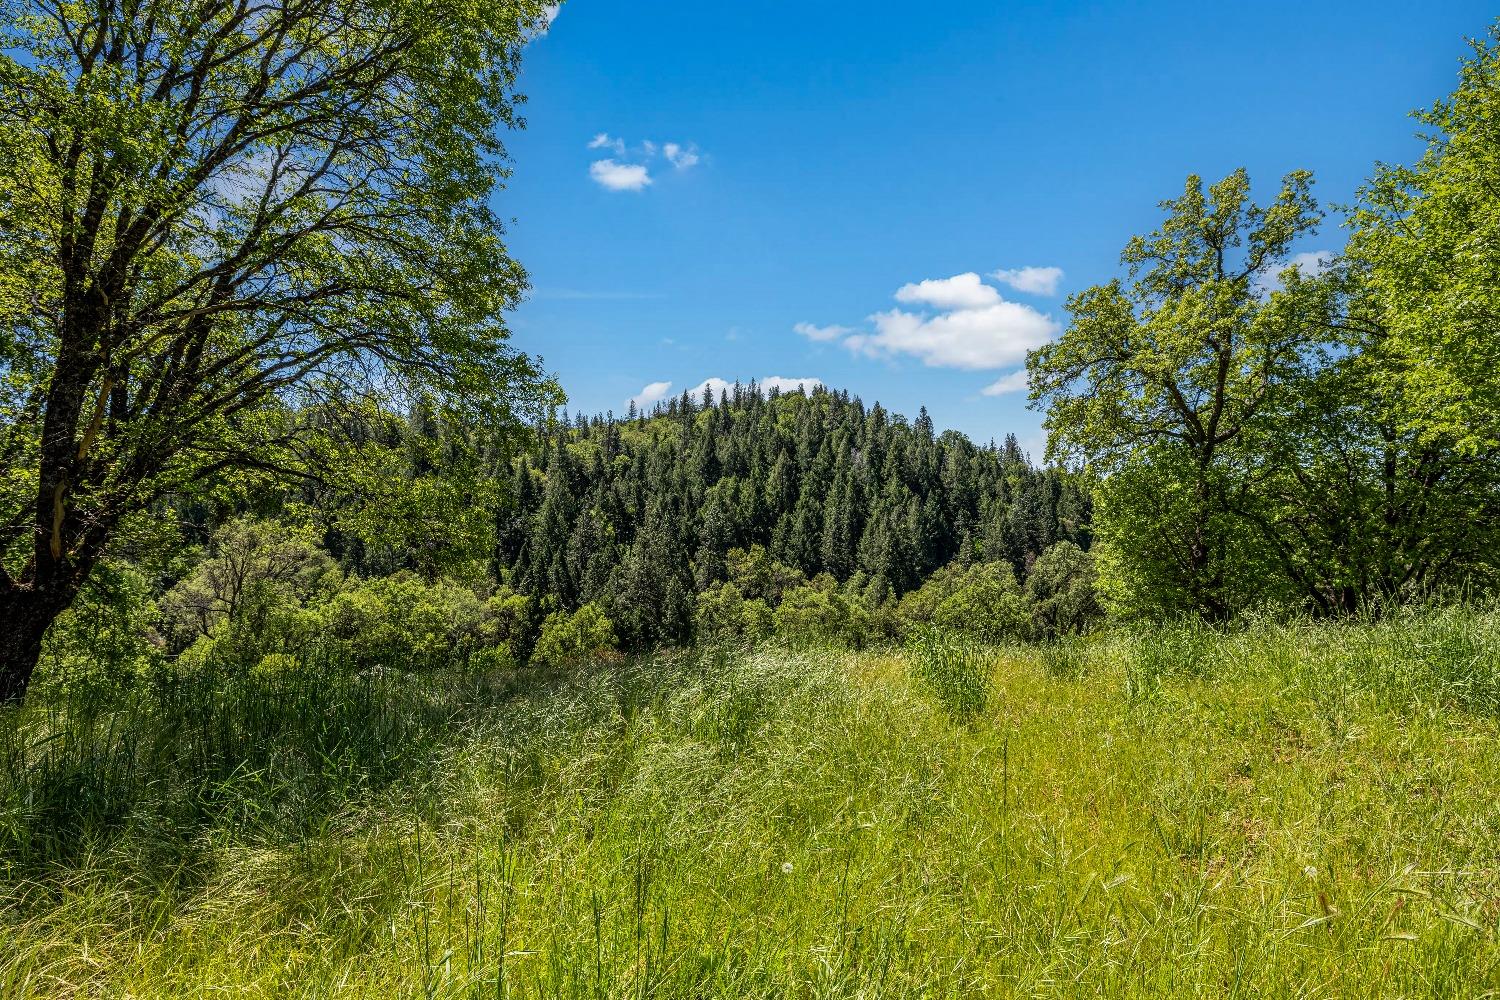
833, 166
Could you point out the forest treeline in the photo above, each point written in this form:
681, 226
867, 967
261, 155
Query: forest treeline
806, 517
642, 514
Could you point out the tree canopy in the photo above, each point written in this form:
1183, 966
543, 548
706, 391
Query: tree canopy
1326, 436
217, 217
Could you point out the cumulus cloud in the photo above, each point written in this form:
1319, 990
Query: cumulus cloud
1014, 382
549, 11
615, 176
821, 334
1031, 280
650, 395
780, 383
655, 392
956, 322
717, 385
789, 384
995, 336
962, 291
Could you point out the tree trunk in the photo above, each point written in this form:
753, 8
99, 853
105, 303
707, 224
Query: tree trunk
25, 616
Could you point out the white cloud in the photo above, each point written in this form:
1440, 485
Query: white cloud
821, 334
605, 141
1031, 280
620, 176
650, 395
962, 291
549, 11
718, 386
615, 176
655, 392
1014, 382
996, 336
681, 157
963, 323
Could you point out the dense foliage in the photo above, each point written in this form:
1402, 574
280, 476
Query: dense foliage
1325, 436
218, 218
355, 683
603, 535
640, 515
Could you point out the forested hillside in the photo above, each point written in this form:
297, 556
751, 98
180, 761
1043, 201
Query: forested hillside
642, 513
805, 517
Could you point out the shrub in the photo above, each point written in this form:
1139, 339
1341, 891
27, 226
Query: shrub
403, 621
277, 665
566, 639
1062, 592
981, 602
492, 659
813, 616
759, 576
106, 640
510, 618
722, 614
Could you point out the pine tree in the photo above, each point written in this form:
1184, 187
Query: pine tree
822, 482
840, 538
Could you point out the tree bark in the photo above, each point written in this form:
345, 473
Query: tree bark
25, 616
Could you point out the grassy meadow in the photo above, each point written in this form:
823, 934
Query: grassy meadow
1281, 810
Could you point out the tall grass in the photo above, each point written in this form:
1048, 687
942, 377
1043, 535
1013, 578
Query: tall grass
955, 669
1280, 810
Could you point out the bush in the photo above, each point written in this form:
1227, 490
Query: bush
276, 665
105, 641
981, 602
813, 616
722, 614
403, 621
492, 659
585, 634
757, 575
1062, 592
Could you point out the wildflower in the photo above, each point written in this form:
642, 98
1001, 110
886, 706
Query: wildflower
786, 868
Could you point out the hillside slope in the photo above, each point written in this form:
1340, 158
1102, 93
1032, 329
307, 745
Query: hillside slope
825, 484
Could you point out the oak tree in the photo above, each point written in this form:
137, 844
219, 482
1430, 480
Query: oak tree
216, 213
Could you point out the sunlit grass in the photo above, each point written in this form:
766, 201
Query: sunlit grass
1280, 811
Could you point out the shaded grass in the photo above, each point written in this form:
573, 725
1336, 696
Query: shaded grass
1287, 810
